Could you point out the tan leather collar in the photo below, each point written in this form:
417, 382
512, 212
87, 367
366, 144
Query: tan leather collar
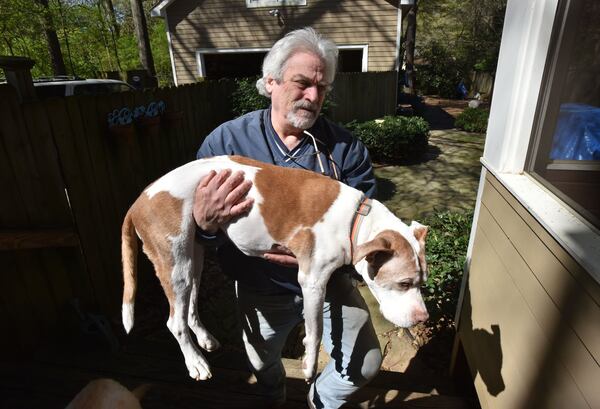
363, 210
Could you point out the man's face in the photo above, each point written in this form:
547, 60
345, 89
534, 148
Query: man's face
297, 99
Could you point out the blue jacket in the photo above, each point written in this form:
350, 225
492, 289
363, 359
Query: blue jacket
252, 135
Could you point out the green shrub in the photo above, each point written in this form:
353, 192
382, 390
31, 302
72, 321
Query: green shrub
246, 98
446, 251
394, 138
473, 120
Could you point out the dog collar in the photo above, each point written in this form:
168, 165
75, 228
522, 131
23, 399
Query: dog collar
362, 210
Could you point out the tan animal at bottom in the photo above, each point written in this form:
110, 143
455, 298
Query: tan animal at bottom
107, 394
325, 223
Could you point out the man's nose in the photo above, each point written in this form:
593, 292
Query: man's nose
312, 93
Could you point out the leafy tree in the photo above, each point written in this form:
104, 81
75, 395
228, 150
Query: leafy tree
463, 34
95, 36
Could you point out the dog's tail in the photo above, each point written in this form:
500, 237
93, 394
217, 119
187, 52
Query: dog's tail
129, 251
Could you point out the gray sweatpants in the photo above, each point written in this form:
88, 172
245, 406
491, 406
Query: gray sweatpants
348, 337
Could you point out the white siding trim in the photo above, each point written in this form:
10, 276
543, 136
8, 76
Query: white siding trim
398, 37
171, 51
365, 56
525, 41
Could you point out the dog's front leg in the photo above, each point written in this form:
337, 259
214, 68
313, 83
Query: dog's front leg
313, 291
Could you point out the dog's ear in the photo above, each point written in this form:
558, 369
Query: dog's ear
376, 252
420, 232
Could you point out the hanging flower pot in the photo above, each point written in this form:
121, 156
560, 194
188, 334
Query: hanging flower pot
173, 119
149, 125
126, 131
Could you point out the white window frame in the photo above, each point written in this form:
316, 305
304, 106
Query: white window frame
521, 63
365, 56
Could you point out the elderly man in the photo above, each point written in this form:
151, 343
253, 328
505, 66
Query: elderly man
297, 74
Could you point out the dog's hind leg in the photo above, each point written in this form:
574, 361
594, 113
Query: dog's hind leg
205, 339
181, 284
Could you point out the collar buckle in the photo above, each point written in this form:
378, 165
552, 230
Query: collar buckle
365, 208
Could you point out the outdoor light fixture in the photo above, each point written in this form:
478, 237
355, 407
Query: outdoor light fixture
276, 13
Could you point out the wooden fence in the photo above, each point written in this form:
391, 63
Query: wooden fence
67, 180
363, 96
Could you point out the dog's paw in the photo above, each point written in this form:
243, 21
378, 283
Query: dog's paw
309, 367
208, 342
198, 370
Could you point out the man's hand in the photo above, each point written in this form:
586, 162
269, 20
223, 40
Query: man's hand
219, 198
282, 256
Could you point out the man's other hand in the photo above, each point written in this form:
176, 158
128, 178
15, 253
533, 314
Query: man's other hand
281, 255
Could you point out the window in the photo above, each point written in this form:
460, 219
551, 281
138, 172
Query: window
230, 62
565, 151
100, 88
247, 62
353, 58
350, 60
50, 91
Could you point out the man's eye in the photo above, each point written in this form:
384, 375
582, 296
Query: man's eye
302, 84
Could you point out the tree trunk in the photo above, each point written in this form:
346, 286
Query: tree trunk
58, 64
113, 18
141, 31
411, 32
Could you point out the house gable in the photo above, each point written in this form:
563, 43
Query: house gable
214, 25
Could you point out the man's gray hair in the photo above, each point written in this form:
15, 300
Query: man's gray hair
304, 39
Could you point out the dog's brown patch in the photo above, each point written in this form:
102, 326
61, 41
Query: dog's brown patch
153, 228
307, 194
404, 259
302, 245
105, 394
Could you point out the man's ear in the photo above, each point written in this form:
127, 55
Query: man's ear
376, 252
269, 83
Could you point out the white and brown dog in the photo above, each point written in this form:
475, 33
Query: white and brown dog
325, 223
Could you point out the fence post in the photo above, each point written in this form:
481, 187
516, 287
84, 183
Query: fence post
18, 74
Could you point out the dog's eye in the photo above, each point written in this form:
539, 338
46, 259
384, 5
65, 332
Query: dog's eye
405, 285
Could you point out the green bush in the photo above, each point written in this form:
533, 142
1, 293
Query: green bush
394, 138
246, 98
473, 120
446, 251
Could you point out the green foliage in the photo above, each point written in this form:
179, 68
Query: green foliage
441, 73
446, 250
393, 139
473, 120
90, 43
246, 97
454, 38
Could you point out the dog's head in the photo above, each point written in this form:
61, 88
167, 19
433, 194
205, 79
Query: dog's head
394, 268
